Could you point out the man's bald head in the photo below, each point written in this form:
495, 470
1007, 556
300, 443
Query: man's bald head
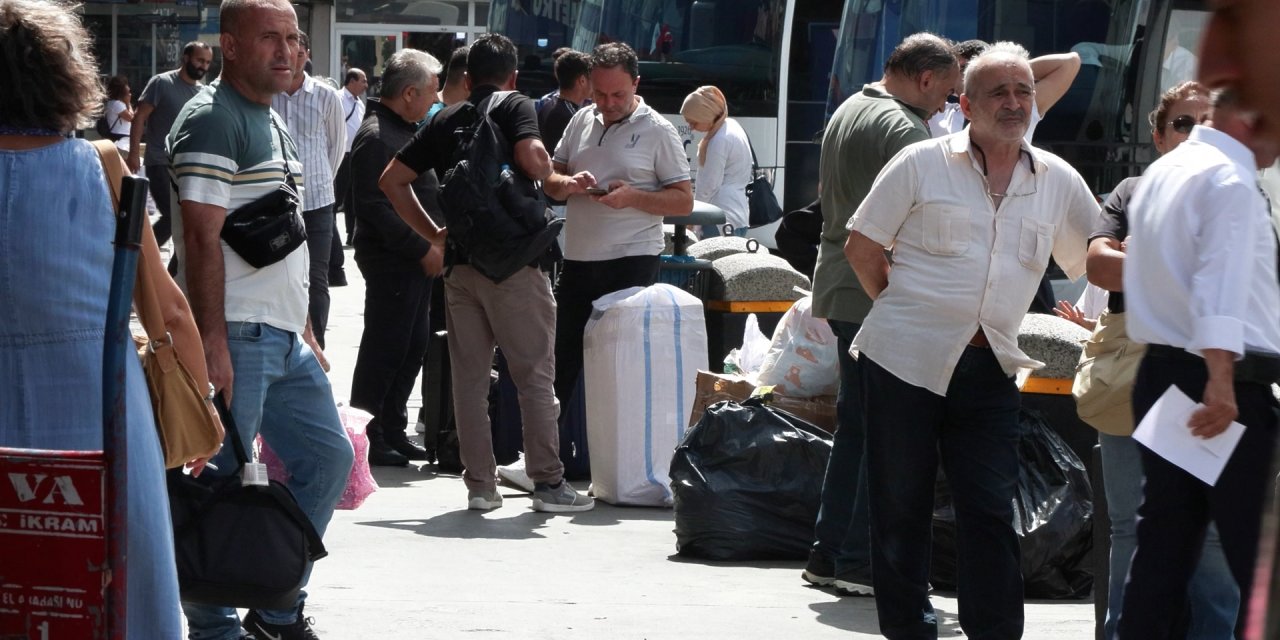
233, 12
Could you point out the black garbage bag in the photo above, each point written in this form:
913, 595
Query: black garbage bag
1053, 515
747, 481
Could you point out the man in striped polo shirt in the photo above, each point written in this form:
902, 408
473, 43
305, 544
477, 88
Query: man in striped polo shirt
313, 112
226, 150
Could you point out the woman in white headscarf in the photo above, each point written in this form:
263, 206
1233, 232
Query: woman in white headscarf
724, 158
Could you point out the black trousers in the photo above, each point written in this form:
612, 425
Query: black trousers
580, 284
158, 179
319, 224
1177, 507
974, 432
396, 329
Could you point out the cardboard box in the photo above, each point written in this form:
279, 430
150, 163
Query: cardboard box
714, 387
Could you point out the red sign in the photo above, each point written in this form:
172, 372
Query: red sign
53, 545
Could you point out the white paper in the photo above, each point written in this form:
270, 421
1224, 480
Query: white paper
1164, 431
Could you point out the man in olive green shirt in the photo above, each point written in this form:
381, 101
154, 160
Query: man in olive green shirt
864, 133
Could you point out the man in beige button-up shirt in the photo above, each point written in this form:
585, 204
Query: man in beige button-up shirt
972, 219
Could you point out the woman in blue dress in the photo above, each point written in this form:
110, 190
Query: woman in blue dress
56, 228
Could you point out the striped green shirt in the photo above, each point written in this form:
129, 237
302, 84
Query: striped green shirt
226, 151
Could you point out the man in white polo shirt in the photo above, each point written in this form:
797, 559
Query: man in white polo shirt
972, 219
613, 240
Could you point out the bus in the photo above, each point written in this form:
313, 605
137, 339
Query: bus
786, 64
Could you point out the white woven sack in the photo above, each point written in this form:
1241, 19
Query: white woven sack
642, 349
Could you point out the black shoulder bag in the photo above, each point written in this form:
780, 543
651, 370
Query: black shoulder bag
238, 545
266, 230
761, 203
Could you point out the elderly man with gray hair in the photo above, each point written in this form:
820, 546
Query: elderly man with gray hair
397, 264
971, 219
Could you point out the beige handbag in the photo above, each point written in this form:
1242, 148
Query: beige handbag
1103, 387
171, 352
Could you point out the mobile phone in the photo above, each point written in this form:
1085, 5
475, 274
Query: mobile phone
597, 191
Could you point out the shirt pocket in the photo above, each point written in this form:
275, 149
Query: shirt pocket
946, 229
1035, 243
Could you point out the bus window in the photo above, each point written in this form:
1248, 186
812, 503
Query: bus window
1182, 37
1096, 126
683, 44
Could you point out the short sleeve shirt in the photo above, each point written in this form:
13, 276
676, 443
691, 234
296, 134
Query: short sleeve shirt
866, 131
435, 145
166, 93
226, 151
1114, 224
643, 150
960, 263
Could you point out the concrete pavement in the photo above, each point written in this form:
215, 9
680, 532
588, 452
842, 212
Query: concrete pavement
412, 562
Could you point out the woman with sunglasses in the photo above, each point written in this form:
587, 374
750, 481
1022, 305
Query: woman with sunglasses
1213, 596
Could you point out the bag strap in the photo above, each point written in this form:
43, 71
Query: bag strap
755, 166
352, 111
284, 156
145, 294
229, 423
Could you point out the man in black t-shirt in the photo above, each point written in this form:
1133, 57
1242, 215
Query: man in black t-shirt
573, 74
518, 314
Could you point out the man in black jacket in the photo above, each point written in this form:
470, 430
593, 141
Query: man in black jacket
398, 265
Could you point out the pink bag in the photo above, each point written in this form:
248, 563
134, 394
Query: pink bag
361, 483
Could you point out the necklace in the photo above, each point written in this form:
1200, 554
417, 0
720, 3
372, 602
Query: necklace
11, 130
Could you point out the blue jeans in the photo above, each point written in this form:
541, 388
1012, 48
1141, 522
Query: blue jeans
1214, 596
843, 530
974, 432
281, 391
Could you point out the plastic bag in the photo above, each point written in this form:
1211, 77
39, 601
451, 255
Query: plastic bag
747, 481
360, 484
748, 358
1053, 515
802, 360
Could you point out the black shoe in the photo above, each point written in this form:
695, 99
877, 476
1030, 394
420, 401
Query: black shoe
820, 571
406, 447
381, 455
338, 278
299, 629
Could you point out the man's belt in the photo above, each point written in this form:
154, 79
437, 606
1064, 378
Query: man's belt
1255, 367
979, 339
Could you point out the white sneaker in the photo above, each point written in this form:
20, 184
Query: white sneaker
484, 499
515, 476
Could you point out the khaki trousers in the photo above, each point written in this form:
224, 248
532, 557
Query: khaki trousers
519, 316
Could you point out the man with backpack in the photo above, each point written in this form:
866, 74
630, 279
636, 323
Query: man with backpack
488, 155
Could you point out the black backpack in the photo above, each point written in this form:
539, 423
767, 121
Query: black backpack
104, 128
496, 216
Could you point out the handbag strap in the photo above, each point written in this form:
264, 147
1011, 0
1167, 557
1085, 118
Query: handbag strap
145, 293
229, 423
755, 166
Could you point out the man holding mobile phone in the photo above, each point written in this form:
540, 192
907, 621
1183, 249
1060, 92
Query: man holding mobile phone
613, 221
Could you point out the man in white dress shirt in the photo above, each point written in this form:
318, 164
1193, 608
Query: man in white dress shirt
313, 112
971, 219
1201, 291
353, 108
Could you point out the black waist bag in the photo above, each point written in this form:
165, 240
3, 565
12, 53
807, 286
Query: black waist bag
266, 230
239, 546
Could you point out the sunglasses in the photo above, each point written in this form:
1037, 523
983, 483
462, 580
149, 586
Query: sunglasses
1183, 124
